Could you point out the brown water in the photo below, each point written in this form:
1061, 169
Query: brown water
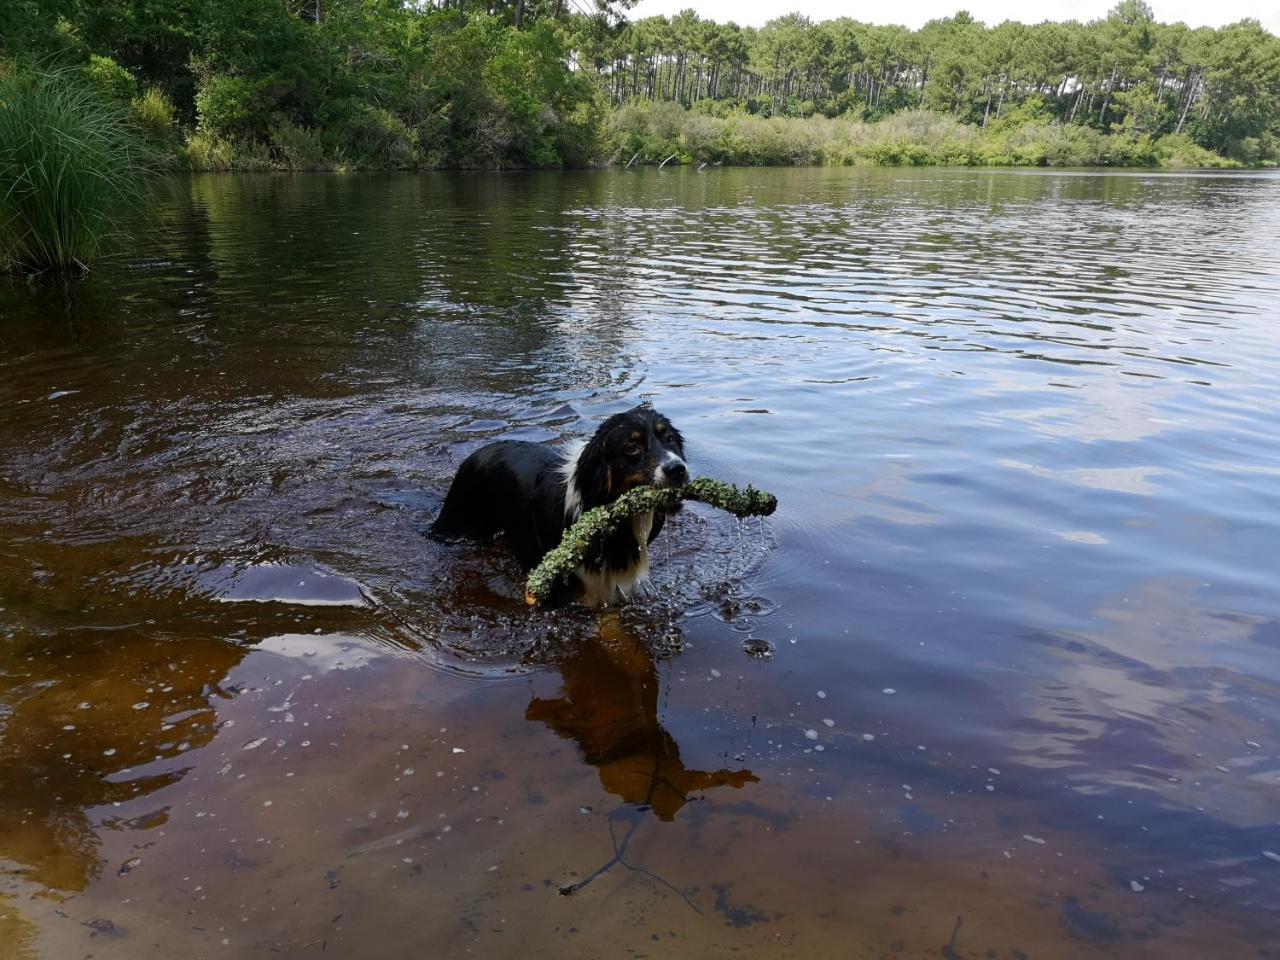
999, 680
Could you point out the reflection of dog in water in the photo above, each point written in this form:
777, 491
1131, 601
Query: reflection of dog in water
609, 706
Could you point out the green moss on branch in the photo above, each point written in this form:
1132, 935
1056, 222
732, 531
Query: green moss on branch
595, 525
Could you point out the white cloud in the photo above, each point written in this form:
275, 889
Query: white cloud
914, 13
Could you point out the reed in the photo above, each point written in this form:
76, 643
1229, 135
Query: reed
71, 165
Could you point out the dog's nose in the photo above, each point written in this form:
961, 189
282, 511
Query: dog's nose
676, 471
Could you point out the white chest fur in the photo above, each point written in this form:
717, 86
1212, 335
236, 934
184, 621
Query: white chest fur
600, 588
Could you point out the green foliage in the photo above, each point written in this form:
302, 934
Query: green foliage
229, 106
154, 115
384, 83
1179, 150
577, 136
298, 148
1125, 73
205, 151
655, 131
111, 79
71, 162
372, 136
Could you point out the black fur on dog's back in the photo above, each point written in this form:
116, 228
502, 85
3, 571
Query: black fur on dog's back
512, 487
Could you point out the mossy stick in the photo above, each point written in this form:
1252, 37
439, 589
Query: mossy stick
596, 524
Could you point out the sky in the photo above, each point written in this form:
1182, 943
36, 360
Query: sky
913, 13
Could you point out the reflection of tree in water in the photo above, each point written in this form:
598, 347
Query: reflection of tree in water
609, 707
457, 281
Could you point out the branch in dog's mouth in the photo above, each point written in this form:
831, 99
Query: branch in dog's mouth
598, 523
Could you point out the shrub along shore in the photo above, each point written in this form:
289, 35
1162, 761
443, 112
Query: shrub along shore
663, 134
644, 132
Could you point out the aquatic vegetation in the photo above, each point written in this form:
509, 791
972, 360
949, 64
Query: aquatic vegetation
70, 163
596, 524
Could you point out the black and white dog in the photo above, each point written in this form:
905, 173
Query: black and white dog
532, 493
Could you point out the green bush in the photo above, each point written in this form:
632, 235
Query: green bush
532, 112
298, 148
230, 106
253, 156
370, 136
71, 162
1131, 150
153, 114
1179, 150
111, 79
208, 152
646, 128
1037, 142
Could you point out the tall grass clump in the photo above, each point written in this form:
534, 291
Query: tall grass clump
71, 164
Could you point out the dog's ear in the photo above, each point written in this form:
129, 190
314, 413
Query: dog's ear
592, 475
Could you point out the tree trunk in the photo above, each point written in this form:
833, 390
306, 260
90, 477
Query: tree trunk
1106, 101
519, 13
1191, 93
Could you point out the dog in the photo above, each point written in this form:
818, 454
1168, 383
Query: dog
532, 493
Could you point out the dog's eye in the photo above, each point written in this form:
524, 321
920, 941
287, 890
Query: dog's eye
632, 450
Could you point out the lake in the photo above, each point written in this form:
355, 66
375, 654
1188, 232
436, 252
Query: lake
1000, 679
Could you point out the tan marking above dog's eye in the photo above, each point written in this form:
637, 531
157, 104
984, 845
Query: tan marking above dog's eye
636, 436
660, 429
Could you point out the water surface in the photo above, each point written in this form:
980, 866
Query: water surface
1000, 678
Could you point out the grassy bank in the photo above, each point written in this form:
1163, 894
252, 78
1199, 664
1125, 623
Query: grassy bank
652, 132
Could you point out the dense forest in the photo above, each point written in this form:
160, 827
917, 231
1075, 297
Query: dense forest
1128, 71
299, 84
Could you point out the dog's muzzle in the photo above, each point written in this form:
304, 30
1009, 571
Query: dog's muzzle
671, 472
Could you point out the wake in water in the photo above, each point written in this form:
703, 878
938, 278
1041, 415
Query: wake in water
473, 618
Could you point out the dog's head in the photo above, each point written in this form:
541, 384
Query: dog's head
630, 450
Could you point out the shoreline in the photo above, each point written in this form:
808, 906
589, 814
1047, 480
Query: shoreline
709, 167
